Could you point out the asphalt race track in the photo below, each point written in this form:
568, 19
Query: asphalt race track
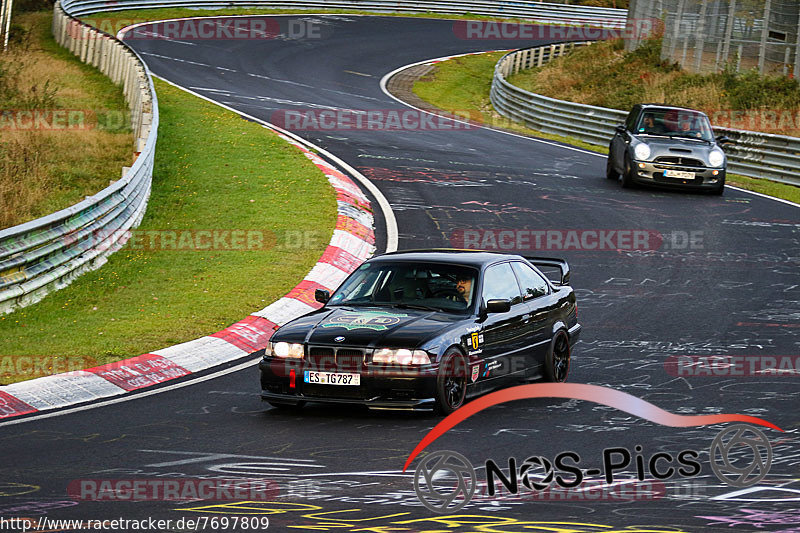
723, 281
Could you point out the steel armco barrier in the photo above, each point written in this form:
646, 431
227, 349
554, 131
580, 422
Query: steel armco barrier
46, 254
528, 9
753, 154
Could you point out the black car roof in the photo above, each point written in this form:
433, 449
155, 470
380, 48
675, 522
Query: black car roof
476, 258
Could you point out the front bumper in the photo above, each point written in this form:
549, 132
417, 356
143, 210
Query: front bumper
380, 388
653, 174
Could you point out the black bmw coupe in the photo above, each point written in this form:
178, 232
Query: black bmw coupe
426, 329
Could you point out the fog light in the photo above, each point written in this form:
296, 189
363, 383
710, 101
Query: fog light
642, 165
714, 172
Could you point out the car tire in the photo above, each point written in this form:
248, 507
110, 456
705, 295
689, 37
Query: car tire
627, 174
556, 363
611, 173
719, 189
288, 406
451, 382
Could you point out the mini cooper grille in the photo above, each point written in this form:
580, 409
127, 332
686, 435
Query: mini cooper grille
658, 176
326, 358
676, 160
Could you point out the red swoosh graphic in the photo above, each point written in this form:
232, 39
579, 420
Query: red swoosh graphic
578, 391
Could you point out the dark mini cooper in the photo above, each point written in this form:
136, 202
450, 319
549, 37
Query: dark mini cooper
669, 146
426, 329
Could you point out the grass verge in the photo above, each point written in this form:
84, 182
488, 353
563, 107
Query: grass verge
50, 164
604, 75
461, 86
214, 171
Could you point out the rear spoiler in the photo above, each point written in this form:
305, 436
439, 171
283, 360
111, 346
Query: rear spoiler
550, 262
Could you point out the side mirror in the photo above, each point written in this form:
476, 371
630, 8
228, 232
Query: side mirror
322, 296
498, 306
620, 128
722, 139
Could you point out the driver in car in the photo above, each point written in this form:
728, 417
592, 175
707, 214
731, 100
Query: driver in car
650, 125
464, 287
687, 129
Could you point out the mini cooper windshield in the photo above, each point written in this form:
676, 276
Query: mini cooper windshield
681, 123
438, 287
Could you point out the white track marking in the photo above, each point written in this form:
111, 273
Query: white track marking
136, 396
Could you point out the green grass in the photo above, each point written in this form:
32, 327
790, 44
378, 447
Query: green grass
461, 85
770, 188
42, 171
213, 170
605, 75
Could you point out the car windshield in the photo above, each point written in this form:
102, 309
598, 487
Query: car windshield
434, 286
675, 123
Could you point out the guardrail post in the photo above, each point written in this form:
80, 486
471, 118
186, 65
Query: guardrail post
57, 243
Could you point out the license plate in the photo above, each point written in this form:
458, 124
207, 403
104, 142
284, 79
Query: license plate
680, 174
331, 378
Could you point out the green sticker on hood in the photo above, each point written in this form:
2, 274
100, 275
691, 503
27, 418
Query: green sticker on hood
375, 320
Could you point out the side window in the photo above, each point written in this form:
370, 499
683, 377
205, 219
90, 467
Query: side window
499, 283
533, 285
630, 122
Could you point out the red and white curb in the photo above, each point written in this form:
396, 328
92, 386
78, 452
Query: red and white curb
353, 242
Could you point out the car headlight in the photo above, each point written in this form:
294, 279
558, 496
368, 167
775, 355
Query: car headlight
716, 157
284, 350
642, 151
401, 356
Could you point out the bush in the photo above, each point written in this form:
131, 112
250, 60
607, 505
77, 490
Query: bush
750, 90
25, 6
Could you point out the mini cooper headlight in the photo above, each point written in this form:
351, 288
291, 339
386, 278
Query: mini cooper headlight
716, 157
401, 356
642, 151
284, 350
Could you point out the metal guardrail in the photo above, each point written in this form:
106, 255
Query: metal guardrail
46, 254
753, 154
528, 9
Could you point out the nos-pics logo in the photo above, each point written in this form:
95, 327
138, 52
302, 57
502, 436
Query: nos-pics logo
446, 481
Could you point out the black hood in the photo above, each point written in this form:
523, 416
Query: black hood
366, 326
